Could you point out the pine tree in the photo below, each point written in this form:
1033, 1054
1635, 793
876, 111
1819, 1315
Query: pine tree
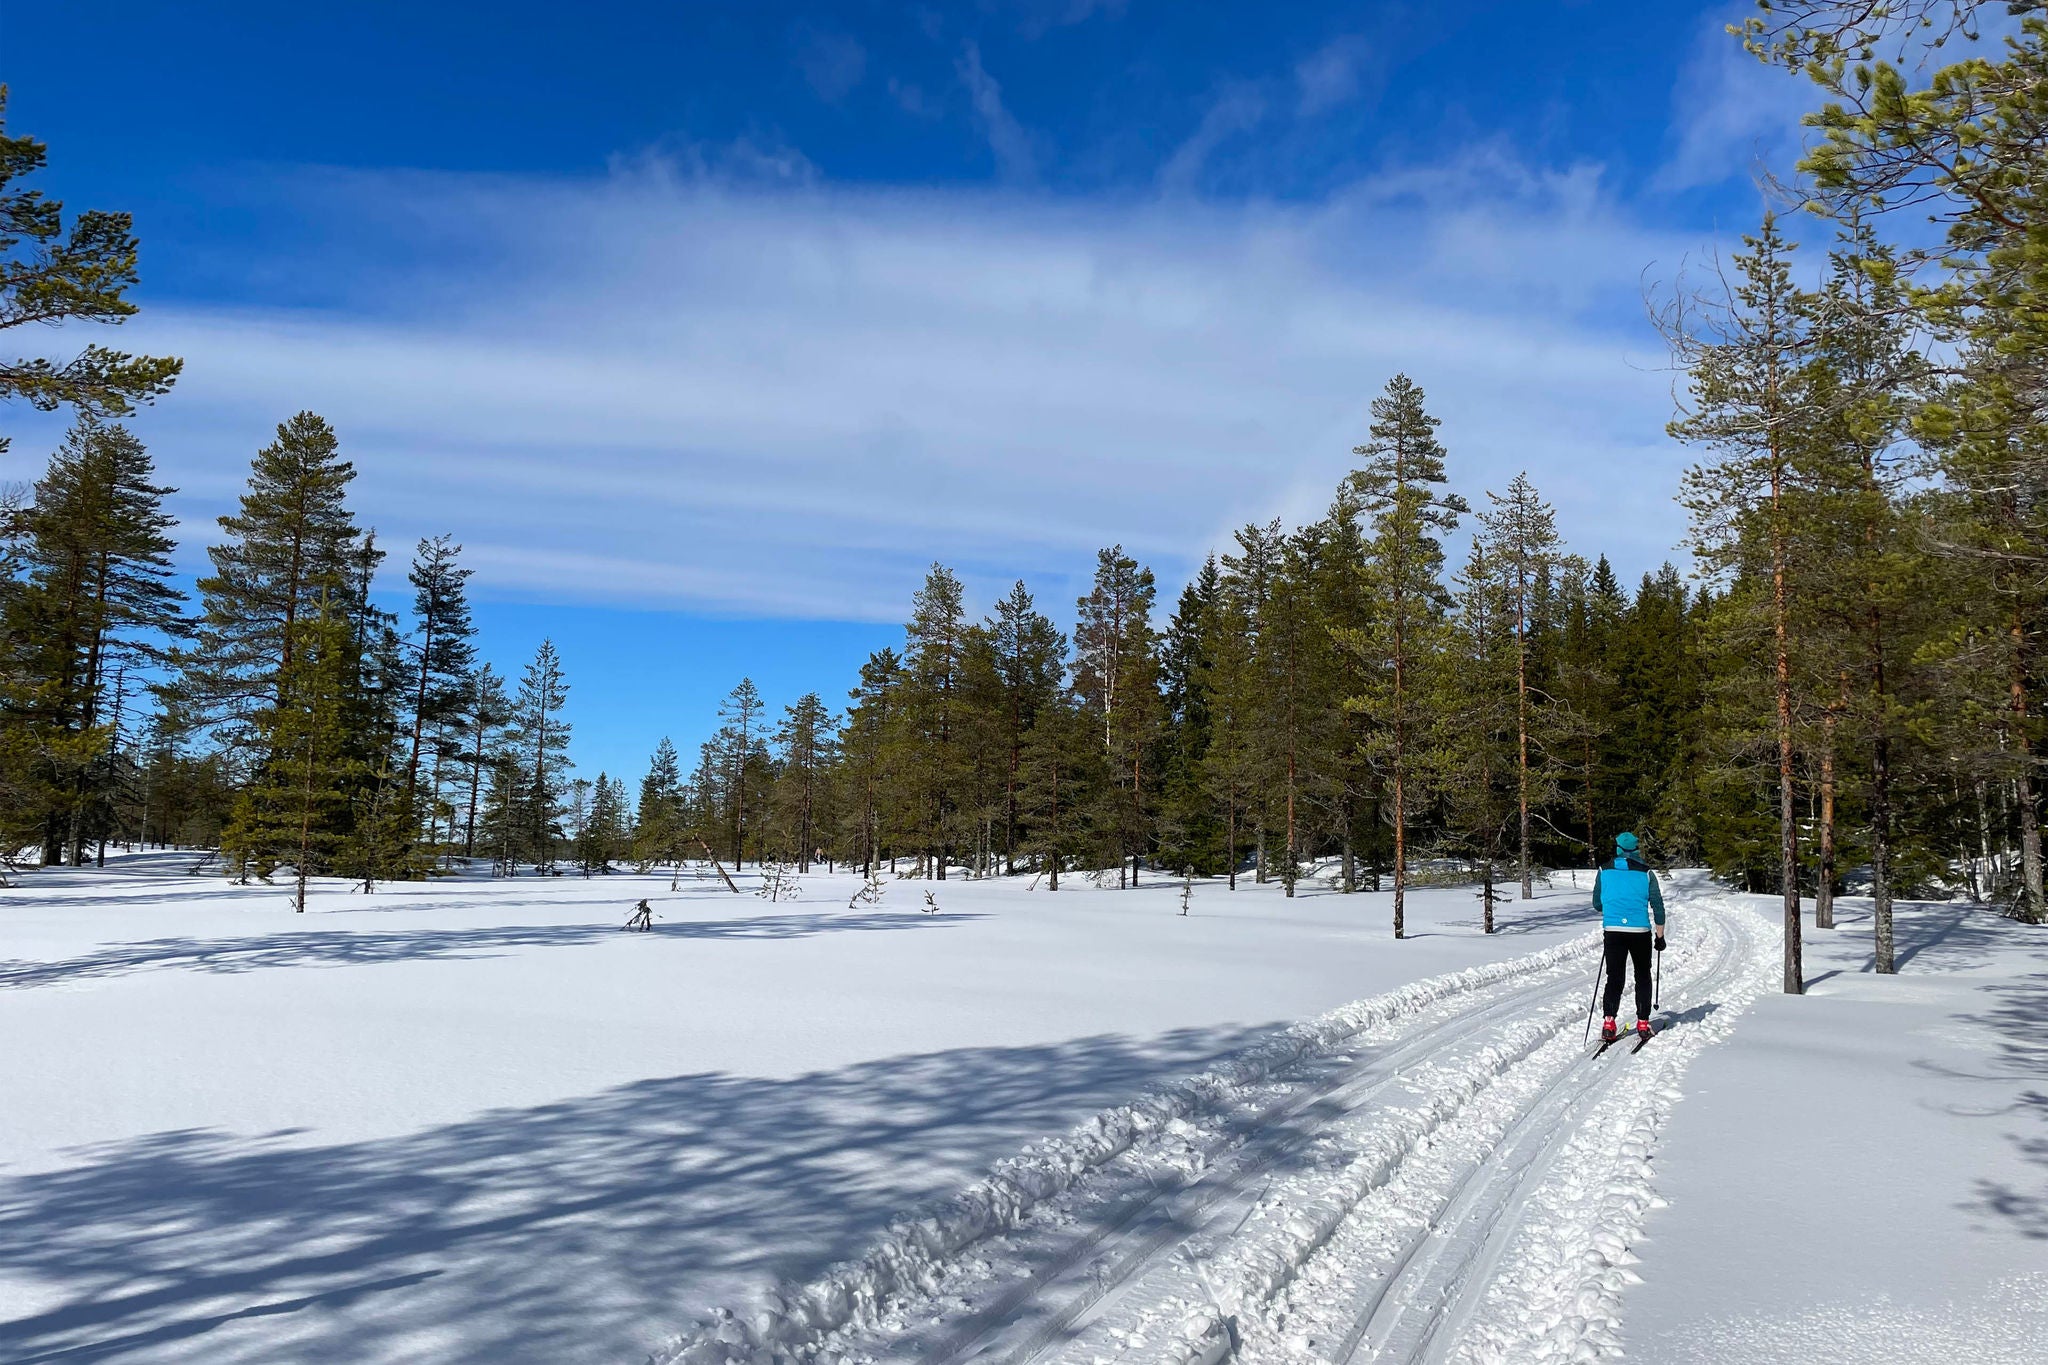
1747, 405
292, 545
49, 275
1396, 486
541, 737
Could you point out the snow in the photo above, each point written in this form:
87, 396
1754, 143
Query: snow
1861, 1173
474, 1121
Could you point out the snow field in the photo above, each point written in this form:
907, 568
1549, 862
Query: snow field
472, 1122
919, 1258
1860, 1173
1354, 1195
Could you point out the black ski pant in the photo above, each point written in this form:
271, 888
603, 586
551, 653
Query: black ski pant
1624, 947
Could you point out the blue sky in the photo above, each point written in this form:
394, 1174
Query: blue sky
706, 327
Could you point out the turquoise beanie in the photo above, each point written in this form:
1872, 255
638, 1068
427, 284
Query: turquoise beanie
1625, 842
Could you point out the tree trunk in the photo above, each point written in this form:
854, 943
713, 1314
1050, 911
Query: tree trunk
2030, 824
1400, 790
1824, 882
1521, 756
1788, 827
1293, 861
1881, 851
1230, 841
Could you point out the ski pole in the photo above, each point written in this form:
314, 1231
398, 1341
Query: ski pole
1657, 1001
1598, 973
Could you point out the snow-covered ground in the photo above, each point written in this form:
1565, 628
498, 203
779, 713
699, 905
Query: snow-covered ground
1861, 1173
474, 1121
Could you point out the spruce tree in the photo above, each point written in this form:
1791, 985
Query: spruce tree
1116, 677
931, 764
1191, 834
540, 736
486, 713
659, 833
97, 600
1062, 772
867, 752
1477, 715
733, 749
804, 740
297, 808
1520, 534
442, 684
1030, 663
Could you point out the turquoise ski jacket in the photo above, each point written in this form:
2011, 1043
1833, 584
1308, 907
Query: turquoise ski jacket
1626, 895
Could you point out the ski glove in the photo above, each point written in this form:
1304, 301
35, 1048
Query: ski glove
1660, 943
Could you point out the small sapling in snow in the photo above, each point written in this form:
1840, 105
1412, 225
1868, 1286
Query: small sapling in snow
778, 883
870, 892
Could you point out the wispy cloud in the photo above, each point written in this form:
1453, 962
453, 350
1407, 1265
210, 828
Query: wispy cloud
1006, 137
1332, 75
664, 388
1731, 116
1237, 110
832, 63
1037, 17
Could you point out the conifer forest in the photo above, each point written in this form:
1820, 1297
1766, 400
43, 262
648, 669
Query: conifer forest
1845, 684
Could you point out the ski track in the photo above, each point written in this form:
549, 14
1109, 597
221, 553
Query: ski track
1437, 1174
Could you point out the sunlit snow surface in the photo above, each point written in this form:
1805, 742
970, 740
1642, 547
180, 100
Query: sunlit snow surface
476, 1122
2005, 1323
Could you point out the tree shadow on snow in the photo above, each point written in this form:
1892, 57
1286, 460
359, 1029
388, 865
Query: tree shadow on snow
1544, 915
579, 1230
2020, 1019
1935, 937
341, 947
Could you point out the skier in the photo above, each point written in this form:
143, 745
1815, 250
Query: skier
1627, 896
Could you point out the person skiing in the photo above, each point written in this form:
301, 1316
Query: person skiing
1627, 897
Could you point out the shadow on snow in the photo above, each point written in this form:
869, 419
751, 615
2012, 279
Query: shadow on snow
565, 1232
341, 947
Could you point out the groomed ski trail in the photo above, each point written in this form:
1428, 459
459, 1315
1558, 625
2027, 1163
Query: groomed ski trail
1442, 1173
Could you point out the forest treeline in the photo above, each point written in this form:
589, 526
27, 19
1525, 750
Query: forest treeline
1847, 691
